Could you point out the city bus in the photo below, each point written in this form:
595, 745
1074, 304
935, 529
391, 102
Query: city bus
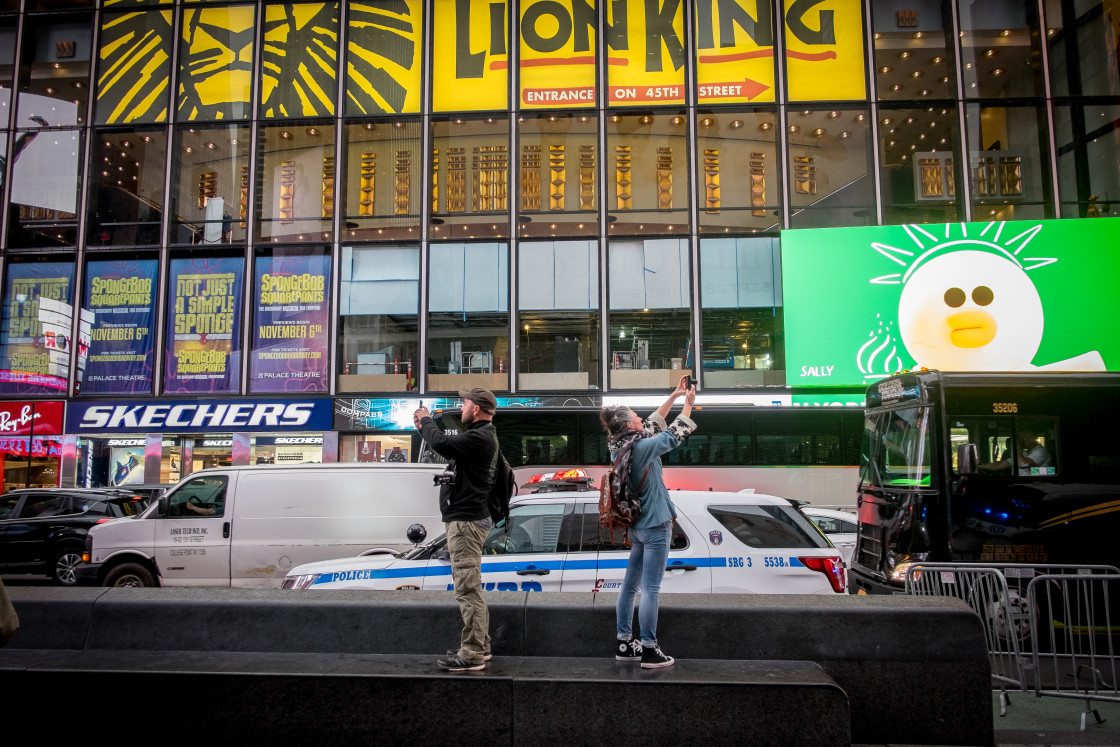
809, 454
987, 468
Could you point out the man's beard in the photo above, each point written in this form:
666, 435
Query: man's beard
468, 417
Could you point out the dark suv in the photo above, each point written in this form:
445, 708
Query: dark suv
43, 530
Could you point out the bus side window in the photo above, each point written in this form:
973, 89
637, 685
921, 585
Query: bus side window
992, 439
1035, 447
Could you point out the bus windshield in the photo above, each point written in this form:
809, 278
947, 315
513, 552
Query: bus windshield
896, 450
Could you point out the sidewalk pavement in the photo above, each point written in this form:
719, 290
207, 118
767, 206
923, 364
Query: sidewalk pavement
1057, 721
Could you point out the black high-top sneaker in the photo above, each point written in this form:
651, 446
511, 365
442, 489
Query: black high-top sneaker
630, 650
653, 658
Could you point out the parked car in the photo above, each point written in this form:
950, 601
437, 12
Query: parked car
722, 542
840, 527
43, 530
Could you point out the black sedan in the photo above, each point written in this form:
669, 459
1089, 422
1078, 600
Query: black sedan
43, 530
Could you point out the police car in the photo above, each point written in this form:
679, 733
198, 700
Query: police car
722, 542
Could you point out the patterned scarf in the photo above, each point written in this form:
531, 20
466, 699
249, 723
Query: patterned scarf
624, 459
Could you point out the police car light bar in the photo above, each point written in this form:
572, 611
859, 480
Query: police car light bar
567, 475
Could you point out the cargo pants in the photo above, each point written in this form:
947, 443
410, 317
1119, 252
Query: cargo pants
464, 544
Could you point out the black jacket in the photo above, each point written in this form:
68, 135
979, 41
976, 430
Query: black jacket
474, 455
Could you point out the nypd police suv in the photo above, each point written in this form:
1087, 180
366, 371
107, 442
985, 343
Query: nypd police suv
722, 542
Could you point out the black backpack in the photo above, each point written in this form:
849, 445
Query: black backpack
501, 491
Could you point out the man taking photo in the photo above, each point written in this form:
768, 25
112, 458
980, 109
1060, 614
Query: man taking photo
463, 503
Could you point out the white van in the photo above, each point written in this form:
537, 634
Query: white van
245, 527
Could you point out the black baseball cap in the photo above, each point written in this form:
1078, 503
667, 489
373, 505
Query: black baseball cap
484, 398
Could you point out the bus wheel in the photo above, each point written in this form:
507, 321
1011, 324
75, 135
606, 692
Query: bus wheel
129, 574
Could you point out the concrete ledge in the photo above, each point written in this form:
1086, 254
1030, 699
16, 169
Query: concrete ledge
342, 699
914, 669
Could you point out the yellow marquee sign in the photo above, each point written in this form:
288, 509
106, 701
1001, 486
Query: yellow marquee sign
646, 52
470, 56
824, 50
558, 42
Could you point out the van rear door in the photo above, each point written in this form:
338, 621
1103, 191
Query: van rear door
192, 538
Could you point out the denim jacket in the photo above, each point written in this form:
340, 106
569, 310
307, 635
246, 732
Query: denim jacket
657, 507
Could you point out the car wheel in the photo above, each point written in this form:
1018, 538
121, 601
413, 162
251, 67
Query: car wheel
66, 559
129, 574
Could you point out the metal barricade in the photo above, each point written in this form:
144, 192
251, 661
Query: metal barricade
1019, 622
1000, 609
1076, 632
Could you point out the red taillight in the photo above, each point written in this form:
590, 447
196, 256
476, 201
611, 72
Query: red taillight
102, 521
832, 568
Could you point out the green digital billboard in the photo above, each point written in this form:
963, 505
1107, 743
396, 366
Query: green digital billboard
864, 303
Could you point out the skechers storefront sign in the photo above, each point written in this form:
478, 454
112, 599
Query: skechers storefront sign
199, 416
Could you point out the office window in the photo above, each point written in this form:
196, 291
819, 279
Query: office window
738, 170
647, 173
1008, 179
830, 169
297, 182
54, 70
999, 49
741, 312
470, 178
125, 204
468, 319
210, 192
558, 176
1087, 137
558, 325
1082, 40
379, 306
650, 323
383, 173
914, 52
920, 164
46, 178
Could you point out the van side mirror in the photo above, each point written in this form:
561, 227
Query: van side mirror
161, 505
966, 459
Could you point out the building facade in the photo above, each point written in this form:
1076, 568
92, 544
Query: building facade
259, 231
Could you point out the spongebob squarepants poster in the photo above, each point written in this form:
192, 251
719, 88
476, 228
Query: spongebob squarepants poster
864, 303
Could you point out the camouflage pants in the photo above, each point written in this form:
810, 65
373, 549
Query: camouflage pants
464, 543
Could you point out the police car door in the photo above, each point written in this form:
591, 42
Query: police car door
688, 568
192, 535
521, 555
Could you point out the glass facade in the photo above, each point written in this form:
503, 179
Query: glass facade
361, 198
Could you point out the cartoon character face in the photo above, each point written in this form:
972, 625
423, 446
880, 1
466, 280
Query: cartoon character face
971, 310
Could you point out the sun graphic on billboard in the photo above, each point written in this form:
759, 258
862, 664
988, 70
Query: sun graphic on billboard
998, 296
967, 303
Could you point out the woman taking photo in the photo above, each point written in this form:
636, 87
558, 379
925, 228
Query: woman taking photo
636, 450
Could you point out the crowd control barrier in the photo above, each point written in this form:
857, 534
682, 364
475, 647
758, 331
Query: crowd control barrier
1050, 629
1076, 631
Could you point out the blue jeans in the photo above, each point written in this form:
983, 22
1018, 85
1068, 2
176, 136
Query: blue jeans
649, 551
